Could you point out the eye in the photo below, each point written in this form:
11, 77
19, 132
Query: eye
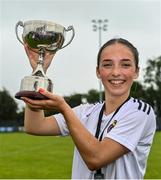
126, 65
107, 64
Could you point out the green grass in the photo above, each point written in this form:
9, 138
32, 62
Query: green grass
154, 160
35, 157
25, 156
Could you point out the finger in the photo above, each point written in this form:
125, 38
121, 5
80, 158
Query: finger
38, 104
39, 107
31, 106
32, 102
35, 107
46, 93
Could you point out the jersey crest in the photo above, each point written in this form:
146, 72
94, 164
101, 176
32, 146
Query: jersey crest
111, 126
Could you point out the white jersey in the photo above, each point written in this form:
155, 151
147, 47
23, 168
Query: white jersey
133, 126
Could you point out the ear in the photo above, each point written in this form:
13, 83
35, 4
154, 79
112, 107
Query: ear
137, 73
97, 72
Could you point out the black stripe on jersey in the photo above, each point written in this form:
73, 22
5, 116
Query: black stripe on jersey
148, 112
145, 106
140, 104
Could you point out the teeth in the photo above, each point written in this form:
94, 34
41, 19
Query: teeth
117, 81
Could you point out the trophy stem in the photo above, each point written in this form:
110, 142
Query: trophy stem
39, 71
41, 56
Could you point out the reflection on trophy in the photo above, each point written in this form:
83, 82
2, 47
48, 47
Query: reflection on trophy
41, 37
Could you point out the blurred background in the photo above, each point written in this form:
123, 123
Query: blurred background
73, 68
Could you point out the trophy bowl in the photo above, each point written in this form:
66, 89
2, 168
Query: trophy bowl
41, 37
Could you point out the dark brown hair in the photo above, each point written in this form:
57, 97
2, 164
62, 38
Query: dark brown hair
124, 42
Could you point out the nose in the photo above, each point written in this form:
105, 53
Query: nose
116, 71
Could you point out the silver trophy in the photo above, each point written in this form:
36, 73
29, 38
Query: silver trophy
41, 37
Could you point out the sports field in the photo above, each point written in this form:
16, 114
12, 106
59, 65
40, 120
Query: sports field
36, 157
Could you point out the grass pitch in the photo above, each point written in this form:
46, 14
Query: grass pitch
154, 162
24, 156
39, 157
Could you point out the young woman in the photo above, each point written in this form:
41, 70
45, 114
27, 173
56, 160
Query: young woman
112, 139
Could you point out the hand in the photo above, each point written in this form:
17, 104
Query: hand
54, 102
33, 58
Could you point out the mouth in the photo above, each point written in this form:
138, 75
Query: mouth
117, 82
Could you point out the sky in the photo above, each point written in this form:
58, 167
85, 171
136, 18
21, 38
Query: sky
73, 68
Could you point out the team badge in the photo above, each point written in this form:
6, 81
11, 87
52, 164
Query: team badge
112, 126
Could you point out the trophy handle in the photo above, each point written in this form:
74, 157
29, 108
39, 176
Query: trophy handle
70, 28
20, 23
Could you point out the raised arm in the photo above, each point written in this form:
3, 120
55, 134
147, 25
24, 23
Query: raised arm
35, 121
37, 124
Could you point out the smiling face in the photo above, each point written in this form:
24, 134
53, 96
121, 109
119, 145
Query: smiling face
117, 69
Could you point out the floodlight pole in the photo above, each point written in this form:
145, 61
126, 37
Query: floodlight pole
100, 26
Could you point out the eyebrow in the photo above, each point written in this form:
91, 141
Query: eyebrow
104, 60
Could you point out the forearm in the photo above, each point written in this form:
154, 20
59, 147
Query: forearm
95, 153
34, 120
85, 142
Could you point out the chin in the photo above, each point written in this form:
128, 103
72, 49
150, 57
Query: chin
118, 93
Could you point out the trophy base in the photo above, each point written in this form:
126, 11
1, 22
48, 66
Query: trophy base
30, 94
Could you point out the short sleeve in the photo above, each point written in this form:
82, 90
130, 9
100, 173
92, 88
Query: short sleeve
82, 111
61, 121
131, 127
62, 124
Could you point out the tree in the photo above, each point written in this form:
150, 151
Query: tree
153, 86
153, 73
92, 96
20, 117
152, 80
8, 107
138, 90
74, 99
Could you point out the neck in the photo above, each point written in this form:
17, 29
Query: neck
113, 102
